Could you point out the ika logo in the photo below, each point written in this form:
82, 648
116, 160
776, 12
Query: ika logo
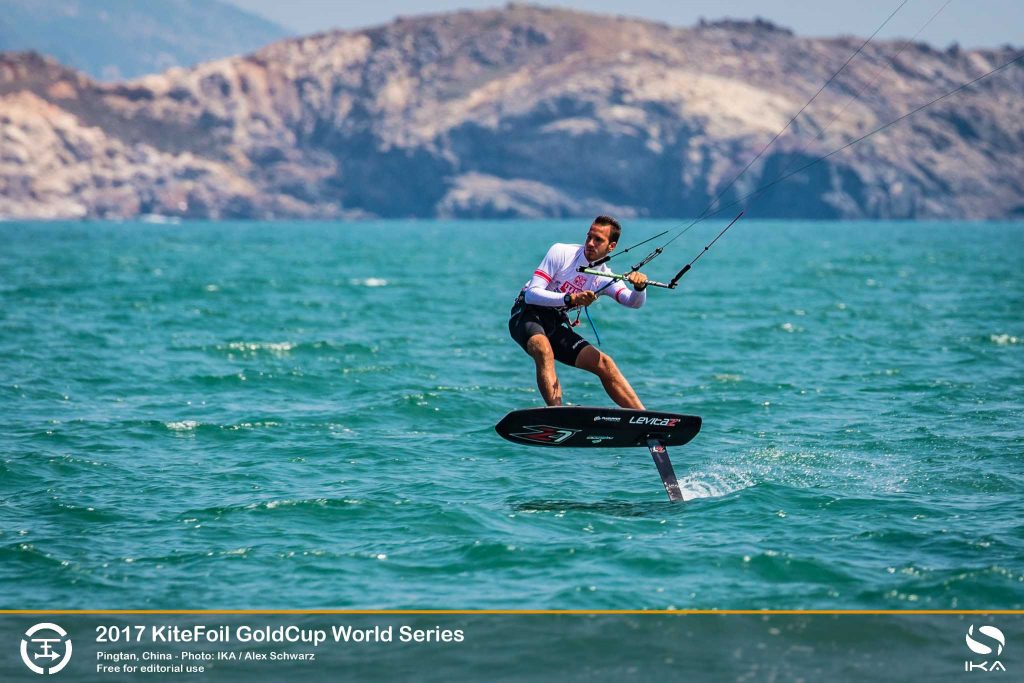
655, 421
48, 642
605, 418
988, 640
543, 434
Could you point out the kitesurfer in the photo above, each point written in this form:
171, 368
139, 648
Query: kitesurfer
540, 323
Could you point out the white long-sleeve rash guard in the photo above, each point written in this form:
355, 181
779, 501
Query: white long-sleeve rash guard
557, 276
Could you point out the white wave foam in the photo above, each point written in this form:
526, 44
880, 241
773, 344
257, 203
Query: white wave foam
1004, 339
799, 469
252, 425
369, 282
714, 484
182, 426
272, 347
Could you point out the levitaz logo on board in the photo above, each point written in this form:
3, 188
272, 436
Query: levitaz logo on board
988, 640
655, 421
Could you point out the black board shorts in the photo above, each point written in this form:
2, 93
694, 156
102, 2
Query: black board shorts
527, 320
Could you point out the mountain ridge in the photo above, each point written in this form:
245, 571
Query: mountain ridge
518, 112
116, 39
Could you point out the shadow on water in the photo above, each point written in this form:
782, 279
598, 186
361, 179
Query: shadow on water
616, 508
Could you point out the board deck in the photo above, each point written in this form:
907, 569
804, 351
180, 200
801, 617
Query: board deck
596, 427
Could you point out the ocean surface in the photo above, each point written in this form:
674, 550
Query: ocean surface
300, 415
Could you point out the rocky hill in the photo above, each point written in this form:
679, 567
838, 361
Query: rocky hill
522, 111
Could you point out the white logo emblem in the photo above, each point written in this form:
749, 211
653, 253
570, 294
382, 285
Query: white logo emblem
46, 646
981, 648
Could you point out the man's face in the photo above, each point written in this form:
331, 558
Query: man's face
597, 244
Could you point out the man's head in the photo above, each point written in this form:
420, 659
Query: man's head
601, 238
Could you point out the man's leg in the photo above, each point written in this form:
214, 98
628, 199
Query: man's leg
602, 365
539, 347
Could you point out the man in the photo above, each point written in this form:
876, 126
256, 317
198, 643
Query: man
540, 323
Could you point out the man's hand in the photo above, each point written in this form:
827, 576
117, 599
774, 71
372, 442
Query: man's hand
582, 298
638, 280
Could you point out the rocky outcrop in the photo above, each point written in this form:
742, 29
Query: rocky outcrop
518, 112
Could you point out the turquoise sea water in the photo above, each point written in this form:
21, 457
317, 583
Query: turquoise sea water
232, 415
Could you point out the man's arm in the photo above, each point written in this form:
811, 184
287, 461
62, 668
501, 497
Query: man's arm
622, 294
537, 292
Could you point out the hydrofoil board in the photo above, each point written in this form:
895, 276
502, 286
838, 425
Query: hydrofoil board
588, 427
593, 427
